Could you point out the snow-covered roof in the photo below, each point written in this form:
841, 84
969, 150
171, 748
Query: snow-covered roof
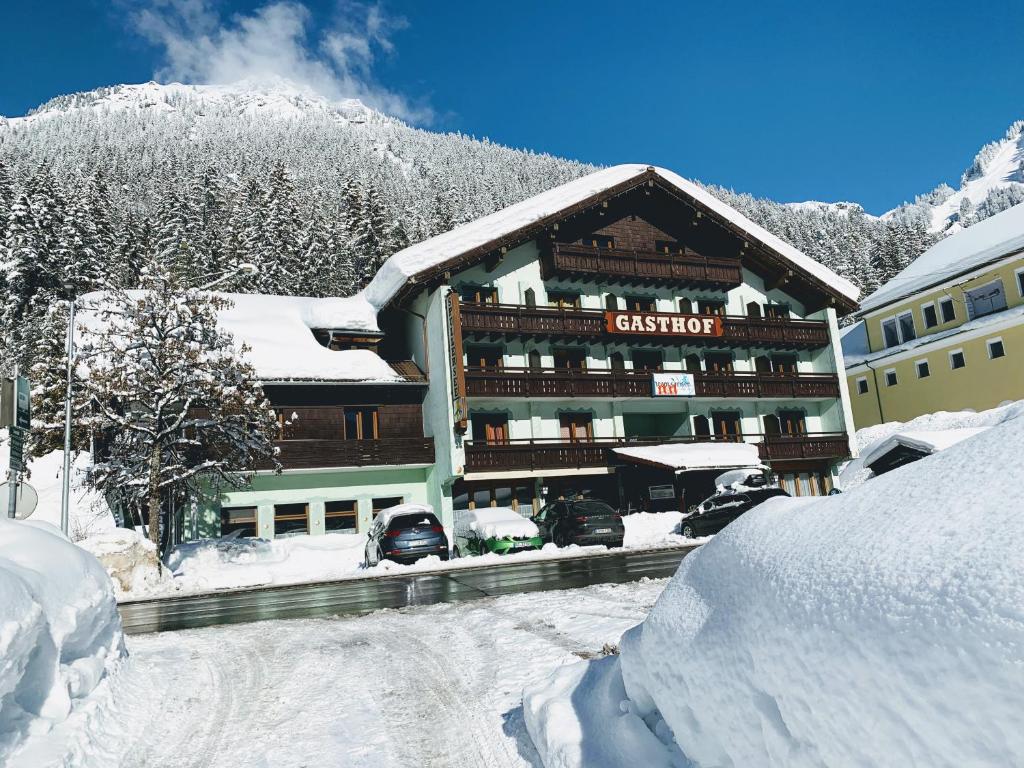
988, 240
685, 456
496, 522
418, 258
927, 441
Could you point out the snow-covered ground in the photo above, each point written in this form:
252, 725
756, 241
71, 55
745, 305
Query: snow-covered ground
434, 686
60, 635
880, 627
215, 564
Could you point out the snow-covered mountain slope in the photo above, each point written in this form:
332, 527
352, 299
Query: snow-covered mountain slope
842, 208
994, 182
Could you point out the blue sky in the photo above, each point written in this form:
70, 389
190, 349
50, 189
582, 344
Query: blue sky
871, 102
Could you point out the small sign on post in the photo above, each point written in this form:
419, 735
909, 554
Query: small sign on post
16, 415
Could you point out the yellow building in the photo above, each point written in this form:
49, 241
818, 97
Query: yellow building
947, 333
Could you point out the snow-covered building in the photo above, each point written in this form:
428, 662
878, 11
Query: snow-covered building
626, 307
946, 333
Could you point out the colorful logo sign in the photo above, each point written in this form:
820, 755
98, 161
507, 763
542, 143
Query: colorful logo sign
673, 385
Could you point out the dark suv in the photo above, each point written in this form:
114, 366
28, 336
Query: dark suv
716, 512
580, 521
405, 534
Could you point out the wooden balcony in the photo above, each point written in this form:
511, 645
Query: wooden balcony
317, 454
645, 267
539, 455
540, 322
569, 382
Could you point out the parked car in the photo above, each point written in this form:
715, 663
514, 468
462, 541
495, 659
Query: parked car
405, 534
580, 521
717, 511
494, 529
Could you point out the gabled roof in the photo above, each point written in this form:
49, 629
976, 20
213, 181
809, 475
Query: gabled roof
989, 240
425, 260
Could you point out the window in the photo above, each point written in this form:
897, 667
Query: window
692, 363
995, 348
611, 302
793, 422
753, 309
361, 424
291, 519
386, 502
890, 378
1020, 282
931, 319
776, 311
477, 294
923, 371
763, 364
985, 299
710, 307
784, 363
862, 385
340, 516
564, 299
647, 359
947, 310
616, 361
727, 425
534, 359
570, 357
640, 304
490, 428
898, 330
598, 241
685, 306
957, 359
668, 246
701, 426
576, 427
484, 356
530, 297
241, 519
906, 324
890, 336
718, 362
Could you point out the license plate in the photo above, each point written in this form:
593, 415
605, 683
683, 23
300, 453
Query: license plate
520, 544
419, 543
602, 530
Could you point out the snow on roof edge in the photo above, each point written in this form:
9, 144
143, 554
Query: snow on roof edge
406, 264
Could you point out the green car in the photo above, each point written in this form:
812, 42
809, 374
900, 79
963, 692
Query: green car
494, 529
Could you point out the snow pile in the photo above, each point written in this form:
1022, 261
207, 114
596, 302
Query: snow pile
879, 627
682, 456
434, 251
868, 439
986, 241
60, 632
129, 558
88, 512
652, 529
495, 522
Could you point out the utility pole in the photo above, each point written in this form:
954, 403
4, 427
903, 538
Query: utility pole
12, 481
65, 490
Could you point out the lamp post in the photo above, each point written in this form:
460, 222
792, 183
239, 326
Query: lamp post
65, 489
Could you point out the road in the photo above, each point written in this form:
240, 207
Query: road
357, 596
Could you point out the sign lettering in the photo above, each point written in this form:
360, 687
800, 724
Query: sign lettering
662, 324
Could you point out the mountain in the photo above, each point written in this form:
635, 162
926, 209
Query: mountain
993, 183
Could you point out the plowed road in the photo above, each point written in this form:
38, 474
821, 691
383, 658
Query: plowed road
356, 596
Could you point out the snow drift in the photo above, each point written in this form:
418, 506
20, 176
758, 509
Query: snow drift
60, 632
882, 627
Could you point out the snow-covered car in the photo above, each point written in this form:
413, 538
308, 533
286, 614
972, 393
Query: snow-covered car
404, 534
494, 529
717, 511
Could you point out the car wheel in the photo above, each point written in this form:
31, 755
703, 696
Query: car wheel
456, 552
688, 532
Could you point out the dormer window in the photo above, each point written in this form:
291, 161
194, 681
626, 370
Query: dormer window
341, 340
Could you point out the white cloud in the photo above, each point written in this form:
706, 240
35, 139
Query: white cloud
275, 42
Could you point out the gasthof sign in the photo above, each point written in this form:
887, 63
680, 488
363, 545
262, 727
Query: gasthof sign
662, 324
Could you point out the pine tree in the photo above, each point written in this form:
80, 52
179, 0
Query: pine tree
175, 411
965, 213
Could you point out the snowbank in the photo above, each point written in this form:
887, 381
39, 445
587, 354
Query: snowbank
495, 522
88, 512
680, 456
880, 627
855, 472
130, 559
60, 632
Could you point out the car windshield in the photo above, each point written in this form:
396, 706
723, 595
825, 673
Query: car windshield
592, 508
405, 522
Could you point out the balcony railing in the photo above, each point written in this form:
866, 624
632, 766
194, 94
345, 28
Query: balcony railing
637, 266
314, 454
539, 455
570, 382
519, 320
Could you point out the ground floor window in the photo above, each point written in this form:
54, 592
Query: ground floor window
811, 483
386, 502
291, 519
241, 519
340, 516
517, 495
